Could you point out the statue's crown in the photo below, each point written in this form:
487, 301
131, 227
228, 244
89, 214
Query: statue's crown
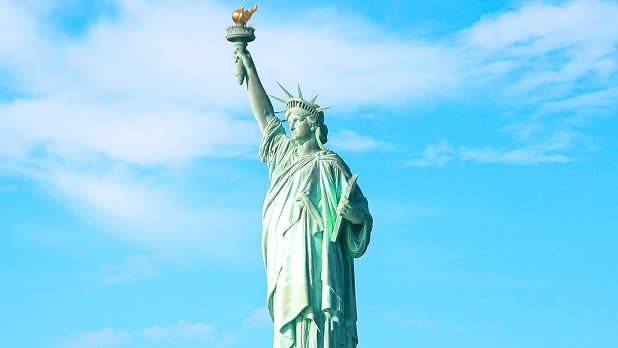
299, 102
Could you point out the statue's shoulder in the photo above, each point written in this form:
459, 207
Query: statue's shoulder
331, 158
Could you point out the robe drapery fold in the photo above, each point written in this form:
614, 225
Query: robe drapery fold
310, 279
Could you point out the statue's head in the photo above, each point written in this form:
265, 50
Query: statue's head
305, 124
302, 114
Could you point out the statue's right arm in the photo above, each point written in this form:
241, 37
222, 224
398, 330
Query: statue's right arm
260, 103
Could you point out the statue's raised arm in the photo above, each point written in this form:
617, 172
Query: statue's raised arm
241, 34
260, 103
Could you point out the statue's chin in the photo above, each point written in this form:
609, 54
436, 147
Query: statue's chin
299, 141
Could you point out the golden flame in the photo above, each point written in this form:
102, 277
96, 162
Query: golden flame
242, 16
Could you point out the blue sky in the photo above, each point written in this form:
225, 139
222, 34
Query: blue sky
483, 134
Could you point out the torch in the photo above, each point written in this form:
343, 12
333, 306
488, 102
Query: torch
241, 34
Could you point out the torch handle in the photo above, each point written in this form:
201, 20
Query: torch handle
241, 74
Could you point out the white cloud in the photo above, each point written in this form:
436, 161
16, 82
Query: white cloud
585, 104
129, 270
349, 140
148, 213
258, 318
523, 131
154, 86
147, 136
435, 155
550, 48
139, 91
98, 339
547, 26
18, 34
180, 331
132, 93
526, 155
159, 213
177, 333
550, 150
117, 198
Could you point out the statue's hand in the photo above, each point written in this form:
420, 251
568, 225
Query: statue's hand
350, 213
244, 63
241, 72
243, 56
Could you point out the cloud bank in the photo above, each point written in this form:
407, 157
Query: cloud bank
101, 118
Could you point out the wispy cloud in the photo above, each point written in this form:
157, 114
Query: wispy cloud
348, 140
127, 132
131, 92
153, 211
435, 155
552, 47
258, 318
550, 150
584, 105
557, 54
556, 72
129, 270
102, 338
527, 156
136, 91
180, 332
129, 95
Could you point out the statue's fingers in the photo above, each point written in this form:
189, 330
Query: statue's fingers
237, 57
246, 59
347, 209
341, 211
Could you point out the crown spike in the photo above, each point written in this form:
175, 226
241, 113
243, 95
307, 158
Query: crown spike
312, 101
285, 90
300, 93
279, 99
320, 109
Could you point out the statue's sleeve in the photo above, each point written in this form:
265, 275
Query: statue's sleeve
274, 144
356, 237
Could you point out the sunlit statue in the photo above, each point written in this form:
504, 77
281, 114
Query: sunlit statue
315, 218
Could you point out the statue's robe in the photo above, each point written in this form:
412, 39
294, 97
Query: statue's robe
311, 295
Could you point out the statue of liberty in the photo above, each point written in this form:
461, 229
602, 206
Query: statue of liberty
315, 220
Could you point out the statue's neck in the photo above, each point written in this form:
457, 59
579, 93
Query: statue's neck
308, 147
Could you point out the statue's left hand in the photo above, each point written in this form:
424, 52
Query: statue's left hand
350, 213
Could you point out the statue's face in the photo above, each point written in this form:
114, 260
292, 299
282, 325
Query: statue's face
299, 127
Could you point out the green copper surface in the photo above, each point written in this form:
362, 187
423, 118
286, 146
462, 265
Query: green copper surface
309, 262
